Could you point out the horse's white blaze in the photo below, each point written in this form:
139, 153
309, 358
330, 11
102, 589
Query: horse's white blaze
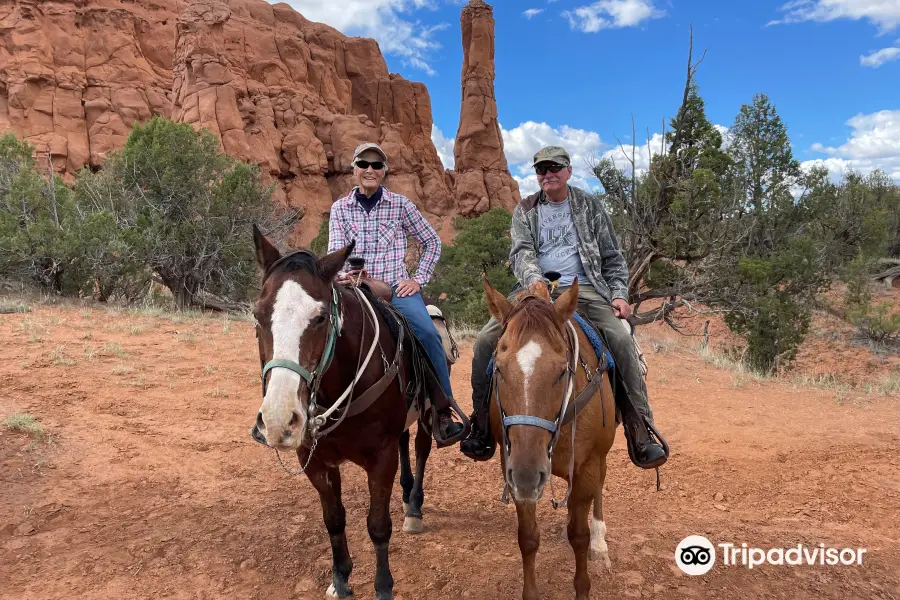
527, 357
293, 311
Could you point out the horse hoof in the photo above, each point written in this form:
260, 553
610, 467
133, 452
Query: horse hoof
405, 507
331, 594
413, 525
601, 556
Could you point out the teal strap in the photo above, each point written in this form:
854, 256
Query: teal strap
289, 365
327, 355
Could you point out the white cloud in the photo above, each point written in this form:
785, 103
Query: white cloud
607, 14
584, 147
520, 144
874, 144
621, 156
876, 59
385, 20
444, 146
885, 14
532, 12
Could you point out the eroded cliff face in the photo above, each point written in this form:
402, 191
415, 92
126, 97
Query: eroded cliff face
293, 96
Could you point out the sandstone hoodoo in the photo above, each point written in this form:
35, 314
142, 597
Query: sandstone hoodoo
482, 178
294, 96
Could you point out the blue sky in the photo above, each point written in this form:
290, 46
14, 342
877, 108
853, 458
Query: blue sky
575, 72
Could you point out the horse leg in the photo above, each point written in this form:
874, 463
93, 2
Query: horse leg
381, 476
413, 522
406, 477
580, 537
529, 541
599, 551
327, 481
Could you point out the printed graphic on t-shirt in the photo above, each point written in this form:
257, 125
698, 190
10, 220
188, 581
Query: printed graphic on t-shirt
559, 243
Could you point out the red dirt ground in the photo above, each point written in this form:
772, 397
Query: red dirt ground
150, 486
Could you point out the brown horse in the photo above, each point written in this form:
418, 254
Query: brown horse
317, 343
536, 371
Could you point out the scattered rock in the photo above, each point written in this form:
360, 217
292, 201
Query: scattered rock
719, 497
248, 564
721, 507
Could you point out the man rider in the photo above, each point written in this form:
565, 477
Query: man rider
379, 220
561, 228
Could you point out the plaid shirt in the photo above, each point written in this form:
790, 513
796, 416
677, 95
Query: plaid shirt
381, 235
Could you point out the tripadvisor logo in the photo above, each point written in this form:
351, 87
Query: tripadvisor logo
696, 555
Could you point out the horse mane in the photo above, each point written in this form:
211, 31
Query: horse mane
300, 260
532, 314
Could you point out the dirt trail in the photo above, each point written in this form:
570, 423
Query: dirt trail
151, 487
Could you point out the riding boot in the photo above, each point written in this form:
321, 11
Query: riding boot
480, 445
644, 451
447, 427
445, 430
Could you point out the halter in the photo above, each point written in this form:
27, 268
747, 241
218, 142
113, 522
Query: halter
554, 427
314, 379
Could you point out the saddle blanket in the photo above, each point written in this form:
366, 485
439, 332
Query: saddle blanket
592, 335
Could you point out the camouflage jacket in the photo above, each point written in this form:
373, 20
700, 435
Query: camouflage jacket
603, 261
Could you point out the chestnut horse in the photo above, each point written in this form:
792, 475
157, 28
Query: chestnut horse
535, 418
317, 343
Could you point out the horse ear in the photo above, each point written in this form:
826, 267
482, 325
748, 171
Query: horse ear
497, 303
567, 303
266, 253
331, 264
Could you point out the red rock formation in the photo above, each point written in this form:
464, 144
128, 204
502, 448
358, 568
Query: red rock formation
482, 179
294, 96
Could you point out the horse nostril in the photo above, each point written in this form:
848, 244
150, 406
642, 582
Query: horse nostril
542, 478
295, 421
509, 475
259, 421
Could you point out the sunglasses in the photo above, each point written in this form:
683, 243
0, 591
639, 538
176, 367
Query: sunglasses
542, 169
364, 164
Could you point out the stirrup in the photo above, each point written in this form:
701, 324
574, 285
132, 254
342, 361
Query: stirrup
436, 430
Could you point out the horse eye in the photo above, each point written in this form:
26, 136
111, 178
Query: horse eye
319, 320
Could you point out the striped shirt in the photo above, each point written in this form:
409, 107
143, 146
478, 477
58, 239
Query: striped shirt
381, 235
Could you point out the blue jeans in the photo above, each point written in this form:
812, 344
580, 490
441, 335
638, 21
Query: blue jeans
413, 308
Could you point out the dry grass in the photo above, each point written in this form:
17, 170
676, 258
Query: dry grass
887, 386
463, 332
9, 307
25, 423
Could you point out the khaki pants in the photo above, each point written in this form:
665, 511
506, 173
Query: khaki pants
599, 312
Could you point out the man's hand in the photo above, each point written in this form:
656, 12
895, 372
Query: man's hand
621, 308
347, 277
408, 287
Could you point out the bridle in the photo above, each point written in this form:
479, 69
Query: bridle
313, 379
554, 427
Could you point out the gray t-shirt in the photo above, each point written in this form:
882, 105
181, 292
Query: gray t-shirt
558, 250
